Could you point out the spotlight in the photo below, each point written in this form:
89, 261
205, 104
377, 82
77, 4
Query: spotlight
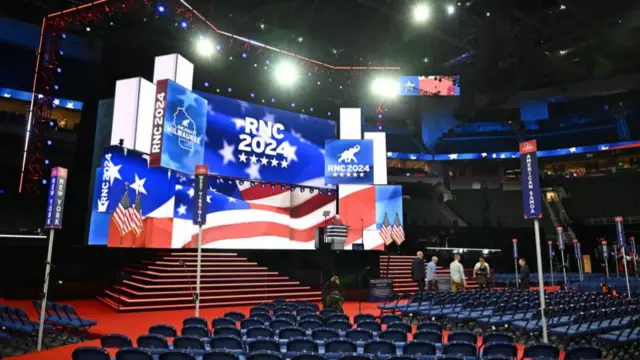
59, 70
300, 39
244, 55
293, 104
161, 8
204, 46
44, 181
229, 89
451, 9
64, 36
488, 14
385, 87
252, 95
426, 60
88, 29
183, 24
218, 47
49, 142
206, 84
46, 161
273, 100
262, 26
421, 13
286, 73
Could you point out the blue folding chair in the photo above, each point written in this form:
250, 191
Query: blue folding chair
381, 349
176, 355
196, 330
230, 344
258, 332
235, 316
460, 348
134, 354
223, 322
115, 341
190, 343
541, 350
194, 320
153, 341
227, 331
420, 349
90, 353
164, 330
583, 352
263, 345
507, 349
264, 355
219, 355
363, 317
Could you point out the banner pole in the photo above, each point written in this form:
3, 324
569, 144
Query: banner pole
605, 256
560, 239
198, 270
550, 243
615, 257
626, 272
45, 289
536, 228
515, 260
564, 270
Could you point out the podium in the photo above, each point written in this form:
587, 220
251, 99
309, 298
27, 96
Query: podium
336, 235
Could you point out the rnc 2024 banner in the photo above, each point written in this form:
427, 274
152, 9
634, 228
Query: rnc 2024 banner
348, 162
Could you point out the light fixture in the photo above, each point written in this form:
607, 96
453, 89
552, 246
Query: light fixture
385, 87
425, 60
204, 46
451, 9
286, 73
300, 39
88, 29
488, 13
161, 8
421, 13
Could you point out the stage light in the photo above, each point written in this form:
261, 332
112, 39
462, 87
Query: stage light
206, 84
229, 89
385, 87
293, 104
161, 8
49, 142
44, 181
273, 100
300, 39
255, 65
205, 47
183, 24
46, 161
252, 95
286, 73
329, 113
311, 109
562, 7
426, 60
262, 26
51, 123
421, 13
88, 29
267, 62
244, 55
451, 9
64, 36
61, 52
218, 47
59, 70
56, 87
488, 14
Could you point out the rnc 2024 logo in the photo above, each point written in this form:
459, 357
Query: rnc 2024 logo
185, 129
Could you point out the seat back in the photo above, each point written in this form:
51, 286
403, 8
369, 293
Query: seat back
359, 335
195, 330
235, 316
393, 335
259, 309
302, 345
264, 345
337, 317
115, 341
194, 320
219, 355
227, 331
541, 350
305, 311
499, 337
369, 325
265, 318
188, 343
250, 322
277, 324
308, 356
428, 335
152, 341
90, 353
507, 349
339, 325
430, 325
583, 352
460, 348
223, 321
225, 343
419, 347
291, 333
364, 317
404, 327
326, 312
390, 319
356, 357
340, 346
164, 330
176, 355
377, 347
264, 355
462, 336
134, 354
287, 316
324, 334
309, 324
259, 332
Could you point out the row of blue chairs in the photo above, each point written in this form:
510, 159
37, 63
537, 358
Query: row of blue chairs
64, 317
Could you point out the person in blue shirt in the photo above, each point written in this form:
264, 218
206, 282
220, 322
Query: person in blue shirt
432, 282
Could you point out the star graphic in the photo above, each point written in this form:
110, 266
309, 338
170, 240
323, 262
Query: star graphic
113, 172
243, 105
69, 105
178, 187
7, 95
572, 150
253, 171
254, 159
409, 86
242, 157
348, 174
227, 152
341, 174
268, 117
188, 99
56, 102
264, 160
209, 199
361, 174
483, 155
284, 163
182, 178
182, 209
191, 192
298, 136
231, 199
138, 185
274, 162
335, 174
240, 123
289, 151
453, 156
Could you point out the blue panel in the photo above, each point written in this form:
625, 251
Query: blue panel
248, 141
26, 96
388, 203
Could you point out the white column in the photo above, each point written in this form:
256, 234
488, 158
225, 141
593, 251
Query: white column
174, 67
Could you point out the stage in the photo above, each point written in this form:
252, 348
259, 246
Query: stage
136, 324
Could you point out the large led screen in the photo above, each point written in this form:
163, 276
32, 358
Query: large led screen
254, 142
241, 214
366, 209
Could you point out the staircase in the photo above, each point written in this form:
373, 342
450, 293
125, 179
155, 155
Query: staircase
398, 267
168, 282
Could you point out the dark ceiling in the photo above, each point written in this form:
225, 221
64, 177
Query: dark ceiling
498, 46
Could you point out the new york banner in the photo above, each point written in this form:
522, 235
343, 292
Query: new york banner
348, 162
179, 125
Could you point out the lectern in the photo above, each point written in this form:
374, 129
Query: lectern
337, 236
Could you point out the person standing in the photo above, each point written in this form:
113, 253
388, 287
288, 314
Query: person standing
458, 281
417, 271
482, 272
524, 274
432, 282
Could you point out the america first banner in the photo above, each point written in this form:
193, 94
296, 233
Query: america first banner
348, 162
179, 128
531, 199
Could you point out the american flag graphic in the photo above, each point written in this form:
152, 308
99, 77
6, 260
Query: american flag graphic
121, 215
385, 231
135, 214
397, 232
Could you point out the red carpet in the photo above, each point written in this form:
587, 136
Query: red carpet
135, 324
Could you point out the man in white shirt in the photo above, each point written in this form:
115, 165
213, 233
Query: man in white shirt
481, 272
458, 280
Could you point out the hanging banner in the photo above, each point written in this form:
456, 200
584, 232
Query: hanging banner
55, 200
515, 248
578, 252
632, 246
531, 199
620, 237
550, 243
200, 187
605, 254
575, 249
560, 238
348, 162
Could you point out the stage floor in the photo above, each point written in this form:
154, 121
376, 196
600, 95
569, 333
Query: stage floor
135, 324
